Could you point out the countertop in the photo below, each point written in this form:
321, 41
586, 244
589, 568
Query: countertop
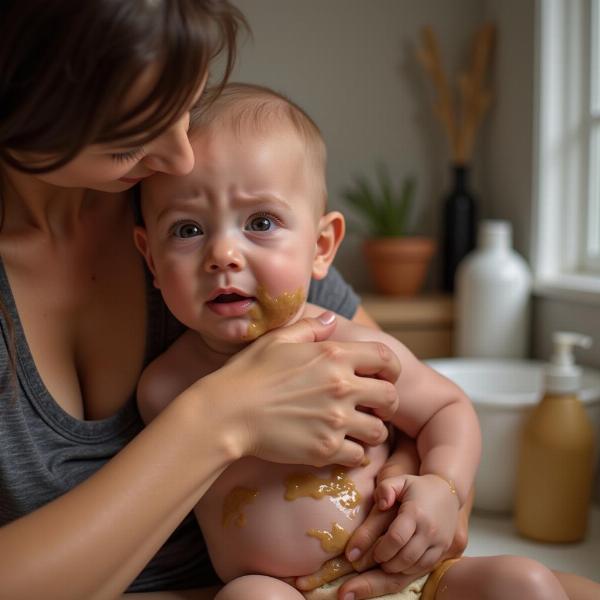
491, 534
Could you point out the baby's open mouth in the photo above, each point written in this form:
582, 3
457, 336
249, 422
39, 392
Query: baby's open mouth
226, 298
230, 304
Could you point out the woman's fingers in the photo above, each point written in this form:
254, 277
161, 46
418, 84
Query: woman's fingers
397, 536
350, 454
367, 428
375, 583
375, 359
378, 395
306, 330
331, 569
359, 549
409, 557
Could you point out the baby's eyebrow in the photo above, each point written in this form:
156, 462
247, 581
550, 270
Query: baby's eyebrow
174, 205
261, 198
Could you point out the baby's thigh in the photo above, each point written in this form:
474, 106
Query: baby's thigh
498, 578
258, 586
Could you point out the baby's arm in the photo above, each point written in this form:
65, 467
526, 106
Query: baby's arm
432, 410
168, 375
441, 418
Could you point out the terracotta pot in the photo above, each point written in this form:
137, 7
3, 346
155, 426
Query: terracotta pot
399, 265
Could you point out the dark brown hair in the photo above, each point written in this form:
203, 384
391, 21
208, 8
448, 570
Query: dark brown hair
67, 65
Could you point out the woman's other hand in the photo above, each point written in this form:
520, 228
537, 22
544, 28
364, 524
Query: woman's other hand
373, 581
293, 396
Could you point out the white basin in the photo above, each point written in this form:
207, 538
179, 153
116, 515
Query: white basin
503, 393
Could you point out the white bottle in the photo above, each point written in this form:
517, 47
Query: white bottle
493, 292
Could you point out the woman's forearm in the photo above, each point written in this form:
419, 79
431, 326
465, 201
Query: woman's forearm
92, 542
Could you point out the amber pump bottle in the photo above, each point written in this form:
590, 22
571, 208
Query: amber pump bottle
555, 471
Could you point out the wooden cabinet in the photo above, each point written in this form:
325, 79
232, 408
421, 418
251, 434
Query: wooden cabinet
422, 323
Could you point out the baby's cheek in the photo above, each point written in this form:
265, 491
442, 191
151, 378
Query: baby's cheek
270, 312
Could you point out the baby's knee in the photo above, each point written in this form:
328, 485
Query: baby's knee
258, 586
528, 579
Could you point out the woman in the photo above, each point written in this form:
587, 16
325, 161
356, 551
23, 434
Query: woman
95, 96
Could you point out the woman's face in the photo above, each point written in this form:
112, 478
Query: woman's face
114, 168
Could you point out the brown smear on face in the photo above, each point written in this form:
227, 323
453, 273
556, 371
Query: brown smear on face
338, 487
333, 541
233, 506
269, 313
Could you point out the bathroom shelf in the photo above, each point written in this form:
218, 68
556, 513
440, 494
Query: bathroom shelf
422, 323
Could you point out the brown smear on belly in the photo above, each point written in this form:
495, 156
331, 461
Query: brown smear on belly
333, 541
338, 487
233, 506
269, 313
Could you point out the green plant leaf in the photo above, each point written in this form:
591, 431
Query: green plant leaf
385, 210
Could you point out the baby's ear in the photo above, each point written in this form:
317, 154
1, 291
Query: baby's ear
331, 231
140, 238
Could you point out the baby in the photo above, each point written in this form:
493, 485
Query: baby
233, 246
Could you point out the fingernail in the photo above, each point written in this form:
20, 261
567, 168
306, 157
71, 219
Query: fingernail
327, 318
382, 505
349, 596
353, 555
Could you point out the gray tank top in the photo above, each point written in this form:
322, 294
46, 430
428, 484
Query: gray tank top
45, 452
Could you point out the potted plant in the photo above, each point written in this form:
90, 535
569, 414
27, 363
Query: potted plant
398, 262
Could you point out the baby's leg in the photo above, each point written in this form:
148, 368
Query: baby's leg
258, 586
578, 587
499, 578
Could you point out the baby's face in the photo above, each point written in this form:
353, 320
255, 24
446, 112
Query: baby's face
232, 245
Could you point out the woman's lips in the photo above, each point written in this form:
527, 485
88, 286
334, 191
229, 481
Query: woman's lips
237, 308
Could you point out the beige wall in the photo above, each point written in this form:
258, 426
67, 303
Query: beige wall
351, 64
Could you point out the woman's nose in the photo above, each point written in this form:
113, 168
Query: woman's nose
171, 152
224, 254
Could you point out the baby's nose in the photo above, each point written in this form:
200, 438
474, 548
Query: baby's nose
224, 254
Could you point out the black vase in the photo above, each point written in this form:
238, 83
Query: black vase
458, 226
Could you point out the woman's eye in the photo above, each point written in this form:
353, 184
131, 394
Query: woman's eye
187, 230
261, 223
130, 155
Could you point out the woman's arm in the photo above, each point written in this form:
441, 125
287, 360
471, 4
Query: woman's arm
92, 542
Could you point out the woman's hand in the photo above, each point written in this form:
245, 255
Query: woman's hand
292, 396
373, 582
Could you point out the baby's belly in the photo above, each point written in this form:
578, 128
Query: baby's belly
284, 520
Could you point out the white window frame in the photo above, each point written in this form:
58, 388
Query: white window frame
562, 180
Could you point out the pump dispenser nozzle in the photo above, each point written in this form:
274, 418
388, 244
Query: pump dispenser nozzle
562, 374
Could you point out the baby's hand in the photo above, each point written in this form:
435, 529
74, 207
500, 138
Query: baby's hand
425, 524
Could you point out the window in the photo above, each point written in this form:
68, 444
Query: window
567, 209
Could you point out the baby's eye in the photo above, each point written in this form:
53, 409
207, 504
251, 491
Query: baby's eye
186, 230
262, 223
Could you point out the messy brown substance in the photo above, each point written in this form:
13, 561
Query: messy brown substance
338, 487
334, 541
331, 570
269, 313
233, 506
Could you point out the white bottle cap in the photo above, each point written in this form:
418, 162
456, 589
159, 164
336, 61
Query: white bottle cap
562, 374
494, 233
